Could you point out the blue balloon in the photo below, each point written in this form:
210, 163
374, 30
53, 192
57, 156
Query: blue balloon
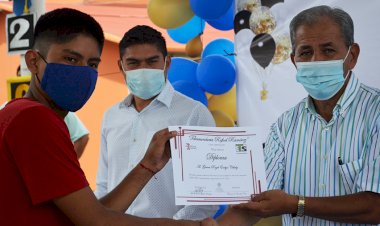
210, 9
191, 90
19, 5
188, 31
220, 46
216, 74
182, 69
226, 22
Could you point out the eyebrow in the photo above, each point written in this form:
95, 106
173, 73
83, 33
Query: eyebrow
96, 59
326, 44
149, 58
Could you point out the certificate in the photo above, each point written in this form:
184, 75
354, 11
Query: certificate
215, 165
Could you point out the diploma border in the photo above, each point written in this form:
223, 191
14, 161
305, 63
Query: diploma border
256, 184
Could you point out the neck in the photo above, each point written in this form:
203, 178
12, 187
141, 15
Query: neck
36, 94
140, 104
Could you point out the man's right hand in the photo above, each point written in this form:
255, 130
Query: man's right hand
158, 153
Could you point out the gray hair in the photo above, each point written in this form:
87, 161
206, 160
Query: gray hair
313, 15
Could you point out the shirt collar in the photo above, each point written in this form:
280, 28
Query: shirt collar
165, 97
349, 94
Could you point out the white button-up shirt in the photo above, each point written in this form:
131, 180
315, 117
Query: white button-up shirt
303, 150
125, 137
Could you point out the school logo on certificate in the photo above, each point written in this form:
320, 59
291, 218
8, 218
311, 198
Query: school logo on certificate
241, 148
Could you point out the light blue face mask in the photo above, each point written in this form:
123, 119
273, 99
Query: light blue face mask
322, 79
145, 83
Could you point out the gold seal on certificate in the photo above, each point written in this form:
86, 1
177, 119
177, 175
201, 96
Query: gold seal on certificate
216, 165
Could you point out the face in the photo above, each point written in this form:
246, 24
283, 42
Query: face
144, 56
323, 41
81, 51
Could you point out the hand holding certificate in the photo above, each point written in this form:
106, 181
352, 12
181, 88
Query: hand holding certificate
214, 165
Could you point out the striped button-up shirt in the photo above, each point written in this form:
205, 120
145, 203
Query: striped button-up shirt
305, 155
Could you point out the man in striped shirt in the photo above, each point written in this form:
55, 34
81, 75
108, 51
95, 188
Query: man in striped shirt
323, 155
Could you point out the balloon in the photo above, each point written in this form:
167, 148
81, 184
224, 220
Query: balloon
175, 13
19, 6
283, 49
226, 22
241, 20
249, 5
222, 119
220, 46
263, 48
191, 90
182, 69
216, 74
194, 47
225, 102
270, 3
188, 31
210, 9
262, 20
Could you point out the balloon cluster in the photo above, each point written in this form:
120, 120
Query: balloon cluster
257, 16
212, 80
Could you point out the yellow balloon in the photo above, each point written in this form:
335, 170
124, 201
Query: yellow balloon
169, 13
194, 47
222, 119
225, 102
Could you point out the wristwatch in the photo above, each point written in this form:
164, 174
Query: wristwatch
301, 206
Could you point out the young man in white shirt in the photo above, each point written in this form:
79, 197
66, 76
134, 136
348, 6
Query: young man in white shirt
128, 126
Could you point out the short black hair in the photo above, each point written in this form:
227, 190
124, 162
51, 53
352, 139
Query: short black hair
142, 34
63, 25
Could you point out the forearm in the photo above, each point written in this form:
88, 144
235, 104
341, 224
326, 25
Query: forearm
363, 207
124, 194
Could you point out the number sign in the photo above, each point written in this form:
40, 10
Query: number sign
19, 31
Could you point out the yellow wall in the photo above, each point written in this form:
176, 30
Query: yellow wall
8, 64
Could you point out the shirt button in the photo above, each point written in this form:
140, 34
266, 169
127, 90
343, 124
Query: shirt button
322, 186
134, 140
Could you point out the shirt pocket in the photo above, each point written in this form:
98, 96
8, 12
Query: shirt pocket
348, 173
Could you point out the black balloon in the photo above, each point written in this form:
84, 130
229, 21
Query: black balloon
270, 3
241, 20
262, 49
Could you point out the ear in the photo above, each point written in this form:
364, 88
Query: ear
167, 66
354, 53
31, 60
292, 58
168, 62
120, 67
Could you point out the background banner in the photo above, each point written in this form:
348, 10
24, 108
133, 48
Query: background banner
266, 84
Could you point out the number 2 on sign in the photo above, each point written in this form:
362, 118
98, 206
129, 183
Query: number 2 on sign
16, 41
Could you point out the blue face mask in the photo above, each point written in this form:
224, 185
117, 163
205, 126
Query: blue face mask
145, 83
69, 86
321, 79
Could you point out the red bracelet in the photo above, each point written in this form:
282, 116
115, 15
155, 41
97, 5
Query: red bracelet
147, 169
